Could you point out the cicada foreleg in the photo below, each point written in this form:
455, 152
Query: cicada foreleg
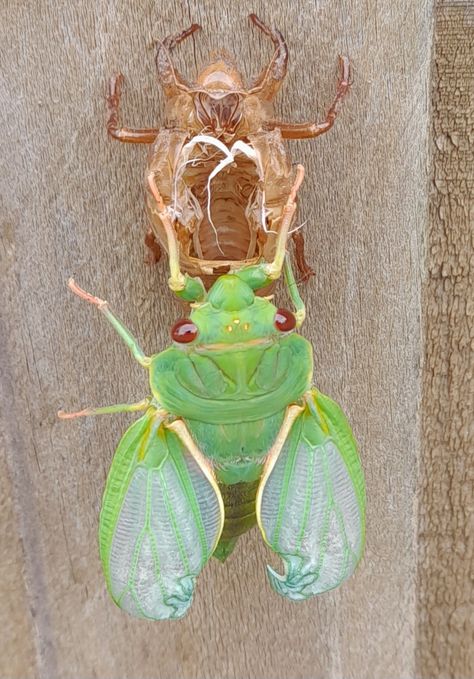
267, 84
125, 134
172, 82
310, 130
186, 287
119, 327
131, 343
311, 500
262, 274
273, 269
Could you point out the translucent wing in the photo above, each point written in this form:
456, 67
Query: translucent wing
311, 502
161, 519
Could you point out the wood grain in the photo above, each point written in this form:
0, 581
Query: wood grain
18, 638
445, 643
73, 204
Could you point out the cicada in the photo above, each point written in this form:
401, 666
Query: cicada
219, 160
233, 433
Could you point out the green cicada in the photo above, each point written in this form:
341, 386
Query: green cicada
233, 433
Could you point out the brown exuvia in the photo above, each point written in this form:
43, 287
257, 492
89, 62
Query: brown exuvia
219, 162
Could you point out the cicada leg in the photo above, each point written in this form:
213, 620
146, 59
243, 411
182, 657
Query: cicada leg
293, 291
107, 410
262, 274
273, 270
125, 334
176, 280
161, 519
125, 134
311, 500
131, 343
267, 84
186, 287
310, 130
170, 78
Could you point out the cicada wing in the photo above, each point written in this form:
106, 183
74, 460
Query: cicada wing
161, 519
311, 502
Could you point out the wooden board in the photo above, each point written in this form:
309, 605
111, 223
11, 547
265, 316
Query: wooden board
445, 624
73, 204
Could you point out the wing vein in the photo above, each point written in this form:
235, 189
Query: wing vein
174, 525
188, 490
289, 467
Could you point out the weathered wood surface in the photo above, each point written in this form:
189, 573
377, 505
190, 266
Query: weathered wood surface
72, 203
445, 643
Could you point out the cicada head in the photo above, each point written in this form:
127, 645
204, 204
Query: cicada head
219, 95
231, 313
221, 74
219, 92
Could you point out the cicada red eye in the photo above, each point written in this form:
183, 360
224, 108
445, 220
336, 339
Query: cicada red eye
184, 331
284, 320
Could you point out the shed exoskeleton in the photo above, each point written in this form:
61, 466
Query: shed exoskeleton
219, 160
232, 433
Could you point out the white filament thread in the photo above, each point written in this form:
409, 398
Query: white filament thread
229, 157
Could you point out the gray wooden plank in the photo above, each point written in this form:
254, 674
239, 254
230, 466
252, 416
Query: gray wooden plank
446, 546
